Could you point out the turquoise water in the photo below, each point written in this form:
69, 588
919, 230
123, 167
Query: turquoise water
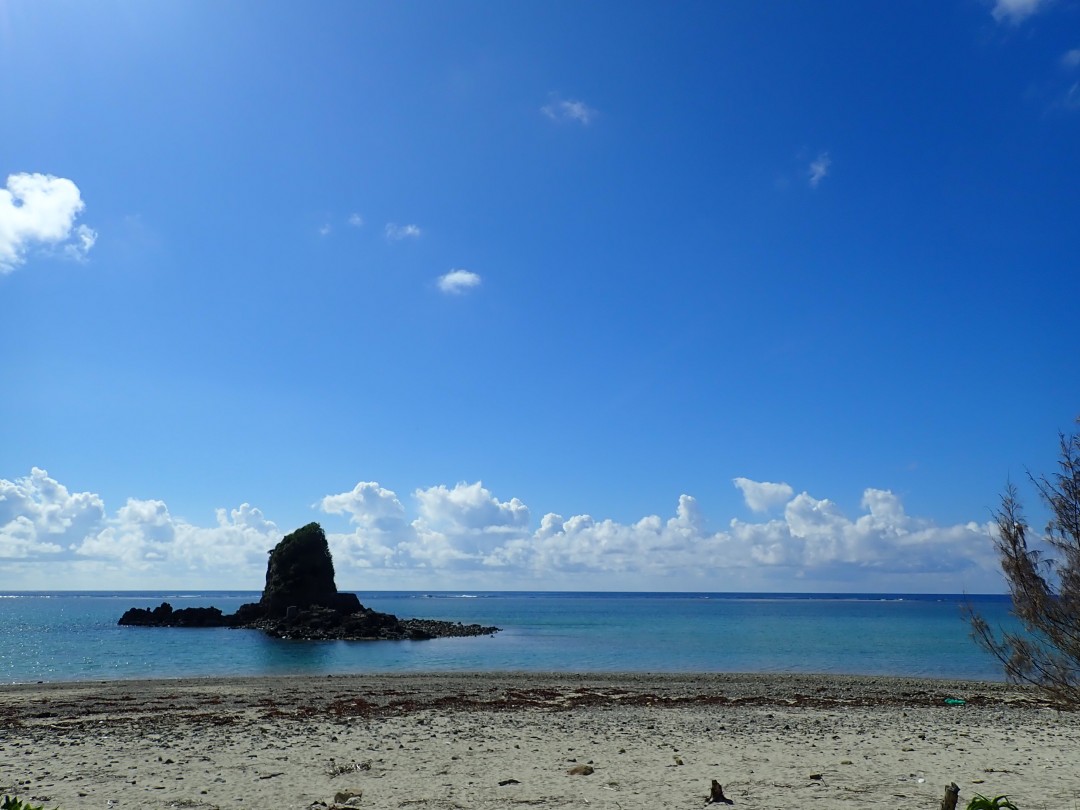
66, 636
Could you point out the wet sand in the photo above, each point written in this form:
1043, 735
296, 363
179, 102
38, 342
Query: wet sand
498, 740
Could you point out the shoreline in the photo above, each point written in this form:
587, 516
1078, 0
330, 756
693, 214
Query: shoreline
763, 686
487, 740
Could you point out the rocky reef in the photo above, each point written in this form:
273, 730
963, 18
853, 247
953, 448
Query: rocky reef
301, 601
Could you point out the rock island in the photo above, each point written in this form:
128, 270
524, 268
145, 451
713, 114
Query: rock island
301, 601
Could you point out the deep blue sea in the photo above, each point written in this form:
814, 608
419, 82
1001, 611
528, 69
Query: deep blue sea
66, 636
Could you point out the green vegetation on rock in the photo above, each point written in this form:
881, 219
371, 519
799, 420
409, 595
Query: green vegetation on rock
14, 803
300, 572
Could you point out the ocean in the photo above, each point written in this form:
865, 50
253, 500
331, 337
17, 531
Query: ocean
69, 636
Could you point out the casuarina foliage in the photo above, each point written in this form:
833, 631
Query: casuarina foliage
1044, 580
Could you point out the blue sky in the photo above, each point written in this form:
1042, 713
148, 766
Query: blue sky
721, 296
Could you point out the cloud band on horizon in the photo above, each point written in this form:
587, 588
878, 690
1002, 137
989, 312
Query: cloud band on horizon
466, 530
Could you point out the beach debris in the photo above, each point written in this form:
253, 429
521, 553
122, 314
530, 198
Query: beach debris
954, 701
817, 777
347, 804
506, 782
581, 770
348, 798
716, 794
340, 769
952, 793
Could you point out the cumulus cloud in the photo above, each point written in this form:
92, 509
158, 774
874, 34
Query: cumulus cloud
1071, 59
39, 210
39, 517
455, 527
763, 495
651, 545
380, 522
466, 527
819, 168
466, 530
355, 220
457, 282
815, 535
569, 110
144, 534
469, 508
42, 521
395, 232
367, 504
1016, 11
325, 229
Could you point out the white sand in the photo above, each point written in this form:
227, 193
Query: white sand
447, 741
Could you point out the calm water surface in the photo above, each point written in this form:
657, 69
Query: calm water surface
67, 636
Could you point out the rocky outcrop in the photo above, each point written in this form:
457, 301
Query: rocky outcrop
300, 574
301, 601
165, 616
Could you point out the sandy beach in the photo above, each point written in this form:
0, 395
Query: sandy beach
515, 740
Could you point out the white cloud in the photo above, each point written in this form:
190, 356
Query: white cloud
464, 525
466, 533
144, 535
367, 504
396, 233
39, 517
819, 168
380, 524
763, 495
569, 110
458, 281
42, 522
355, 220
459, 526
1016, 11
40, 210
1071, 59
79, 248
325, 229
467, 528
469, 508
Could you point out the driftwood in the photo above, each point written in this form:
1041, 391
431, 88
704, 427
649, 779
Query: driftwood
952, 793
716, 794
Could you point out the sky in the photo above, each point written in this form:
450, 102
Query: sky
719, 296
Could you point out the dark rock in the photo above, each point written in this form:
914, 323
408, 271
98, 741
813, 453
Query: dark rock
301, 601
716, 794
345, 603
300, 573
165, 616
